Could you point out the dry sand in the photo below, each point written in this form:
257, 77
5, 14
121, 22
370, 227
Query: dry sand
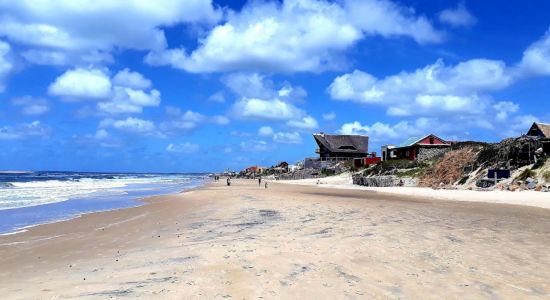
287, 241
527, 198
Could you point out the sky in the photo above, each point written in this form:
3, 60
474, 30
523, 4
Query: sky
200, 85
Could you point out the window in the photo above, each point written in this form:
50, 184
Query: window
431, 140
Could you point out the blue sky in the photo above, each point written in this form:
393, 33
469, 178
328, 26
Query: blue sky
188, 86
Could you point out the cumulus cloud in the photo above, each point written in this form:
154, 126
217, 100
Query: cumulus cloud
217, 97
186, 148
329, 116
435, 88
32, 106
504, 108
25, 130
6, 65
127, 92
65, 31
265, 131
305, 123
295, 36
254, 146
82, 83
129, 79
178, 122
536, 58
130, 124
259, 109
287, 138
457, 16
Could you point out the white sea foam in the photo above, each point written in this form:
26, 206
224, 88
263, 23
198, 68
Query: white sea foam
23, 194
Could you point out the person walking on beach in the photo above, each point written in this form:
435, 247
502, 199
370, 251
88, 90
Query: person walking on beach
228, 181
259, 181
266, 184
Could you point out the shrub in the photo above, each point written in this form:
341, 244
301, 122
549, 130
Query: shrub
526, 174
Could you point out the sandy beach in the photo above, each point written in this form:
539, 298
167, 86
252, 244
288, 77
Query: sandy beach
285, 242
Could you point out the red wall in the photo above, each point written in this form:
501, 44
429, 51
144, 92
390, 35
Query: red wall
436, 141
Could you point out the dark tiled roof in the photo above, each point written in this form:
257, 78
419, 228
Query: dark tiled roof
343, 143
545, 128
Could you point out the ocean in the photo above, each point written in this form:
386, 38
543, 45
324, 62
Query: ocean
32, 198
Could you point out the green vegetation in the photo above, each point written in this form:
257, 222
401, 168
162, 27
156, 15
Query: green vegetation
463, 180
546, 176
526, 174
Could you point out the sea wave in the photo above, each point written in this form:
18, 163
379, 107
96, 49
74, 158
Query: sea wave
60, 188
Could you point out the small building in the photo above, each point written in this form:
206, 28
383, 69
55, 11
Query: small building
387, 152
341, 147
369, 160
540, 130
254, 170
417, 149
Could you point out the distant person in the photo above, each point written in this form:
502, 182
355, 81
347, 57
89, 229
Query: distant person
228, 181
259, 181
266, 184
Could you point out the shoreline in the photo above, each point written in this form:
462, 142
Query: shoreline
139, 201
285, 241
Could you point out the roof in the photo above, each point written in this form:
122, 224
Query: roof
415, 140
544, 128
343, 143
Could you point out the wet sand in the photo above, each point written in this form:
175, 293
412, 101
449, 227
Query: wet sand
287, 241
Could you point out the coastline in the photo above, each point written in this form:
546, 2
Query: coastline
76, 207
246, 241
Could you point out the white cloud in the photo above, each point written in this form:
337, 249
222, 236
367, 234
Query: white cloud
81, 83
135, 80
80, 30
258, 109
63, 58
329, 116
186, 148
287, 138
504, 108
129, 124
220, 120
254, 146
129, 101
178, 122
25, 130
295, 36
127, 92
217, 97
6, 65
305, 123
536, 58
457, 16
32, 106
265, 131
434, 88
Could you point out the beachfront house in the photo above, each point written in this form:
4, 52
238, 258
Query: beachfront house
541, 131
335, 147
416, 148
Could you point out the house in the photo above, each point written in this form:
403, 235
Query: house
254, 169
369, 160
417, 149
341, 147
540, 130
